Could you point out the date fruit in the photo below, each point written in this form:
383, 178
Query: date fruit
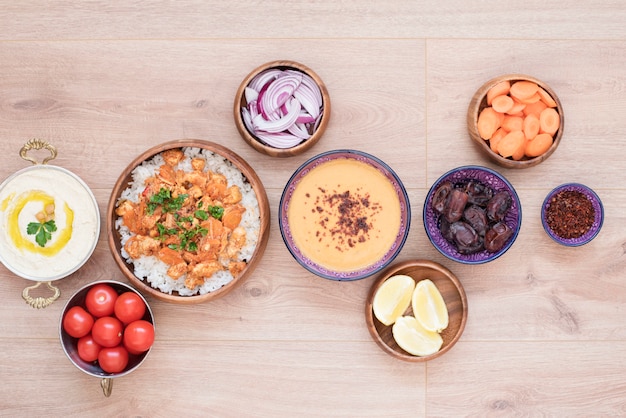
455, 205
497, 236
471, 216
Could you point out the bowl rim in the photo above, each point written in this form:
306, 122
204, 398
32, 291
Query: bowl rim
460, 258
477, 103
251, 177
259, 145
405, 210
73, 301
92, 245
395, 269
597, 205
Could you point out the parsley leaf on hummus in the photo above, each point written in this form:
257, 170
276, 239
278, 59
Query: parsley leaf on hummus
42, 231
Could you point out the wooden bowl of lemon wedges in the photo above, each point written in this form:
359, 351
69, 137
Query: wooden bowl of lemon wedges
416, 310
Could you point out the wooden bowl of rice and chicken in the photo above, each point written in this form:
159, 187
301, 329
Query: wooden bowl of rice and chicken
187, 221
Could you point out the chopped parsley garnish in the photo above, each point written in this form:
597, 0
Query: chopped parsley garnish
186, 238
163, 231
42, 231
216, 212
185, 235
185, 230
164, 199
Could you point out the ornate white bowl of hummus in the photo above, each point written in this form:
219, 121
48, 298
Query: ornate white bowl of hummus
344, 215
50, 222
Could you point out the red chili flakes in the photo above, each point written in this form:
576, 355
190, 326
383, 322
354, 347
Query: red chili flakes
570, 214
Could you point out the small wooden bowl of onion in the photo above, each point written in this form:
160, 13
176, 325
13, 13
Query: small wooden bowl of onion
514, 105
282, 108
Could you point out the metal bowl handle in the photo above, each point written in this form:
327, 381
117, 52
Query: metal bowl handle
38, 144
40, 302
107, 386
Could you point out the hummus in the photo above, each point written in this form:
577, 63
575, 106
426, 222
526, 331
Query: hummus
76, 217
344, 215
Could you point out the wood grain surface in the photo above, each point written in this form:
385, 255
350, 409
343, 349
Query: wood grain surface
545, 335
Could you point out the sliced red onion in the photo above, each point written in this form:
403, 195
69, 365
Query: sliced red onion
308, 100
250, 94
253, 108
308, 81
283, 107
247, 119
299, 130
264, 78
278, 92
304, 117
281, 124
279, 140
260, 97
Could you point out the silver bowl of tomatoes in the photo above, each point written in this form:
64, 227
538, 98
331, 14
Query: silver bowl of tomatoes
107, 330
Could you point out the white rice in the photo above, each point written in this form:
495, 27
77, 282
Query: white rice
153, 270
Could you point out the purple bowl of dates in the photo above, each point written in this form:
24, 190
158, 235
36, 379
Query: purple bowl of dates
472, 214
572, 214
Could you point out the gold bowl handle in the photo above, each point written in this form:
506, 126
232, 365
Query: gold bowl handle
38, 144
107, 386
40, 302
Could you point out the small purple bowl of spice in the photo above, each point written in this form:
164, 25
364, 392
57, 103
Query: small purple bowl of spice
572, 214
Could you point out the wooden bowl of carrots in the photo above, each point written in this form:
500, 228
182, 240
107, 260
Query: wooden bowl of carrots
516, 120
282, 108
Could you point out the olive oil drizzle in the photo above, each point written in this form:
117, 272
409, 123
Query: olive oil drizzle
21, 241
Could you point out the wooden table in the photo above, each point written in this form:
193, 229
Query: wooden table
104, 81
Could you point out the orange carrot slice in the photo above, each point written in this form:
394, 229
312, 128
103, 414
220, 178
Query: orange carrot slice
488, 122
549, 120
516, 109
502, 103
535, 108
531, 126
523, 89
502, 88
538, 145
495, 139
511, 143
532, 99
512, 123
520, 152
546, 98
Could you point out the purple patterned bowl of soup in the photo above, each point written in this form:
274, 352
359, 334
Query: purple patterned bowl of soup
344, 215
572, 214
472, 215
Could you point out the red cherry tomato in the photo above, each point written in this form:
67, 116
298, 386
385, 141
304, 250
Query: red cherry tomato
77, 322
113, 359
138, 336
107, 331
129, 307
88, 349
100, 300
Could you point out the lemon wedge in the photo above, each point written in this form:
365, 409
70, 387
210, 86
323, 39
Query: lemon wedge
429, 307
392, 298
414, 339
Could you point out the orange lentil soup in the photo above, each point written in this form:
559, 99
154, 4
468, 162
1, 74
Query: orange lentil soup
344, 215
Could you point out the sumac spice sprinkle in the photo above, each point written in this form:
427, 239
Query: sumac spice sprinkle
353, 210
570, 214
